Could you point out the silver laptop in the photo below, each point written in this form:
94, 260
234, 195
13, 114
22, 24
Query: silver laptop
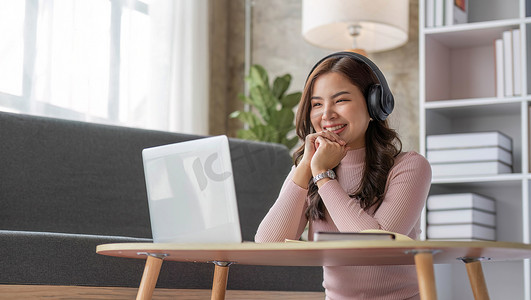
191, 195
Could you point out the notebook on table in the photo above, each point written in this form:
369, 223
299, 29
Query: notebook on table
191, 194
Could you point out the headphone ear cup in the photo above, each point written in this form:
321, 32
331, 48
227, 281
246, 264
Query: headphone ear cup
388, 104
378, 104
373, 101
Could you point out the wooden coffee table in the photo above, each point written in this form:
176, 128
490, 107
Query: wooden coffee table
423, 254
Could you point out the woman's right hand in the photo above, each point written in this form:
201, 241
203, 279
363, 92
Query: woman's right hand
311, 143
328, 155
303, 172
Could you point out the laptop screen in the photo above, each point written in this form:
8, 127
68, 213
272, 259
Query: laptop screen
191, 193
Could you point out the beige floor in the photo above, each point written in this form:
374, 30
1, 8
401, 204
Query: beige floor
76, 292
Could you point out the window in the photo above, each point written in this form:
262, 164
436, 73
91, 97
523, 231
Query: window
95, 60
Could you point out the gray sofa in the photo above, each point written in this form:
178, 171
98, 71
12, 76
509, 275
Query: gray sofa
66, 187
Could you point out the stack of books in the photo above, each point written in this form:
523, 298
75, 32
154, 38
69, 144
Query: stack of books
469, 154
466, 216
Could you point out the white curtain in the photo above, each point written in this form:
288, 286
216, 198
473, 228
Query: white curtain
182, 39
140, 63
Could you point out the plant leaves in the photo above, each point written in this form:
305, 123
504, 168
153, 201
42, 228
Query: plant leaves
280, 85
258, 77
266, 133
246, 117
257, 100
270, 99
271, 116
245, 99
282, 119
247, 134
291, 100
264, 101
290, 143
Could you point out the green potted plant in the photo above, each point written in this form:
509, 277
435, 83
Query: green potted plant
270, 115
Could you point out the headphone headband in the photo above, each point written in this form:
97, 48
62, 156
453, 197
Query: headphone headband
380, 100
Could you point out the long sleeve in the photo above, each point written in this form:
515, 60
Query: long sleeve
285, 219
406, 191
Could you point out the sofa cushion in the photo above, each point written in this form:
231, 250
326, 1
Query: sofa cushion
75, 177
64, 259
71, 259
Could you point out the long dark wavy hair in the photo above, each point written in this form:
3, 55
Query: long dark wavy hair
382, 143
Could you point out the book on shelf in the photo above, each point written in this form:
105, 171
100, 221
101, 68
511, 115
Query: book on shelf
461, 201
470, 169
508, 64
439, 13
507, 38
469, 155
430, 13
517, 62
456, 12
469, 140
498, 52
461, 231
461, 216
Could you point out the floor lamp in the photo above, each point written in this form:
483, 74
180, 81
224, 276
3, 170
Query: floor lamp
362, 26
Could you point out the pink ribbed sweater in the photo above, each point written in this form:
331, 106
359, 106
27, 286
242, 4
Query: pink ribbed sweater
406, 191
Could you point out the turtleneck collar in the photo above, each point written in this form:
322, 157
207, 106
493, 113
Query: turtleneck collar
355, 156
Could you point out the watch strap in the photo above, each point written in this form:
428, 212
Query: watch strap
327, 174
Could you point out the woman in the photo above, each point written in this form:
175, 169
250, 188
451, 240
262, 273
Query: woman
351, 175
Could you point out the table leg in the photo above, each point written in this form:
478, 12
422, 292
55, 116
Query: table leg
477, 280
149, 278
219, 286
426, 275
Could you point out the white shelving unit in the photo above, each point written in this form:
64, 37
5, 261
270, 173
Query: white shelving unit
457, 94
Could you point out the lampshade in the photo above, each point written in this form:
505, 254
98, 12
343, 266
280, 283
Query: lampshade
378, 25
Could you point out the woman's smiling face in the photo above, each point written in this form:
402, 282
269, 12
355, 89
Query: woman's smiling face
339, 106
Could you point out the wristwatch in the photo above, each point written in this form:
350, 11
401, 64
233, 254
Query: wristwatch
328, 174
